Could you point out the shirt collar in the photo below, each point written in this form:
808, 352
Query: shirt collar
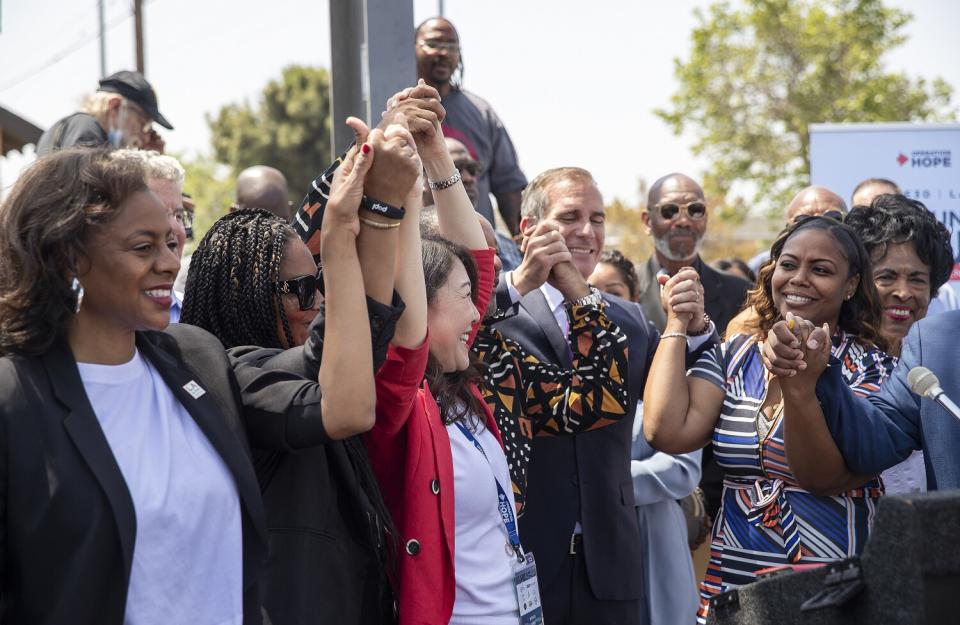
553, 295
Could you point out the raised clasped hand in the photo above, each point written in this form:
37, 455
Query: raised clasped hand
543, 247
682, 299
397, 166
418, 108
796, 350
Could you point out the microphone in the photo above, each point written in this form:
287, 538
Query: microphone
924, 383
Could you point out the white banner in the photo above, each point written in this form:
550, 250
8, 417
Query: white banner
923, 159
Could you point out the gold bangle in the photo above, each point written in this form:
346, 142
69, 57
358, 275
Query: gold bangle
379, 225
674, 335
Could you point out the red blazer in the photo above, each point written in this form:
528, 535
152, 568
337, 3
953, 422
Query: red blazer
410, 453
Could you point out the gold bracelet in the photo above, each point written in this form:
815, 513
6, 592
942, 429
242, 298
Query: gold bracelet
673, 335
379, 225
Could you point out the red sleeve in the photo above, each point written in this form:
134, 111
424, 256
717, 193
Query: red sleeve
485, 277
397, 383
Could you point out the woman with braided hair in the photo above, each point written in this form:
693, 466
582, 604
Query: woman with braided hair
247, 281
254, 284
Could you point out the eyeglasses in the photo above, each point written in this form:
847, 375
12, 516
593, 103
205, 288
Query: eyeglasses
184, 217
693, 210
465, 166
432, 45
304, 287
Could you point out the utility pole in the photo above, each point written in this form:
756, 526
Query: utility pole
138, 32
103, 38
440, 8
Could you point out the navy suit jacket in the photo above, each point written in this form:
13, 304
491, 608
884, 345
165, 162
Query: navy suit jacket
878, 432
586, 477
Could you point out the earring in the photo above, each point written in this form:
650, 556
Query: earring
77, 289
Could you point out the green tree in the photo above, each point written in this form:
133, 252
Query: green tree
212, 187
289, 128
757, 76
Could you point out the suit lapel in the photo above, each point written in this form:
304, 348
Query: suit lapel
84, 429
536, 304
650, 296
212, 422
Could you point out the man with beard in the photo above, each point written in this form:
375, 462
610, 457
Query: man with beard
471, 120
676, 218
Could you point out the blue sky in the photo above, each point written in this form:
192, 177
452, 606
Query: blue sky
574, 82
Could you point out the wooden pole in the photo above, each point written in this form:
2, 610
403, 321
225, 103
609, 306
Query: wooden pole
138, 33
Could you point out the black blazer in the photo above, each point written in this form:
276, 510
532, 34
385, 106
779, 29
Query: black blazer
723, 294
598, 460
324, 565
67, 518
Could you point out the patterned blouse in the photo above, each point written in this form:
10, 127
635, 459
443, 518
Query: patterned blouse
532, 398
765, 518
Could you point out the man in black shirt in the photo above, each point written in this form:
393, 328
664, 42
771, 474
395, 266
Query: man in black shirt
120, 113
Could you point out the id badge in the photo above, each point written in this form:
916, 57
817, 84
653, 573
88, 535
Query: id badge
528, 591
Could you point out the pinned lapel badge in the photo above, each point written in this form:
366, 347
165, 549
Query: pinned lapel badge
196, 391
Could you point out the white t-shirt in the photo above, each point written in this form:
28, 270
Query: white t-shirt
188, 554
483, 568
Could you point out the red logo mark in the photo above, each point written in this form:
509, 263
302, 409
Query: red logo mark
902, 159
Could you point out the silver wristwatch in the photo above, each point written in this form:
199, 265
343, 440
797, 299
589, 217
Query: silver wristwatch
593, 299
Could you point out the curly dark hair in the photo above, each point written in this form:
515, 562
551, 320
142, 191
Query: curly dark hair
895, 219
231, 288
859, 315
625, 266
45, 225
451, 390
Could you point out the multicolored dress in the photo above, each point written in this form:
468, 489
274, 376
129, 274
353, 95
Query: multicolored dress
766, 519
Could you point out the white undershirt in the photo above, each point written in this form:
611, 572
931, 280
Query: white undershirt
188, 555
483, 568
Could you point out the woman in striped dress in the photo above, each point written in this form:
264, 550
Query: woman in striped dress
820, 271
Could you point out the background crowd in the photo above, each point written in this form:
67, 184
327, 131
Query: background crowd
374, 406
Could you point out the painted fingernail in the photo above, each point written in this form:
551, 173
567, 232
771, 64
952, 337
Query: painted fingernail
365, 148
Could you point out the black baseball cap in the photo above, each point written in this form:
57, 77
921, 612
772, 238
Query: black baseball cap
134, 87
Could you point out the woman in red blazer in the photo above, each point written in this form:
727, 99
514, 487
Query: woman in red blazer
435, 447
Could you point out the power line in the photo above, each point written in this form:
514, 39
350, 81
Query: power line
84, 39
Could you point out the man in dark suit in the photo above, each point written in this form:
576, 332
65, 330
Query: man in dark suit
676, 218
586, 540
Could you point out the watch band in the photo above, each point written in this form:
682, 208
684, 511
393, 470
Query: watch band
594, 298
381, 208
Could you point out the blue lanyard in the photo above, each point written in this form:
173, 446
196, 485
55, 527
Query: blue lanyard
503, 502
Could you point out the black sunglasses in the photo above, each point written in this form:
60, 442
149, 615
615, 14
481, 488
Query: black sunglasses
694, 210
305, 288
469, 167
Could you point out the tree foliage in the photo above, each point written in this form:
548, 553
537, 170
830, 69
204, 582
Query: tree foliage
212, 187
757, 76
288, 129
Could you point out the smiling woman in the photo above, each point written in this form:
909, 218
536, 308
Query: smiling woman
819, 270
123, 459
